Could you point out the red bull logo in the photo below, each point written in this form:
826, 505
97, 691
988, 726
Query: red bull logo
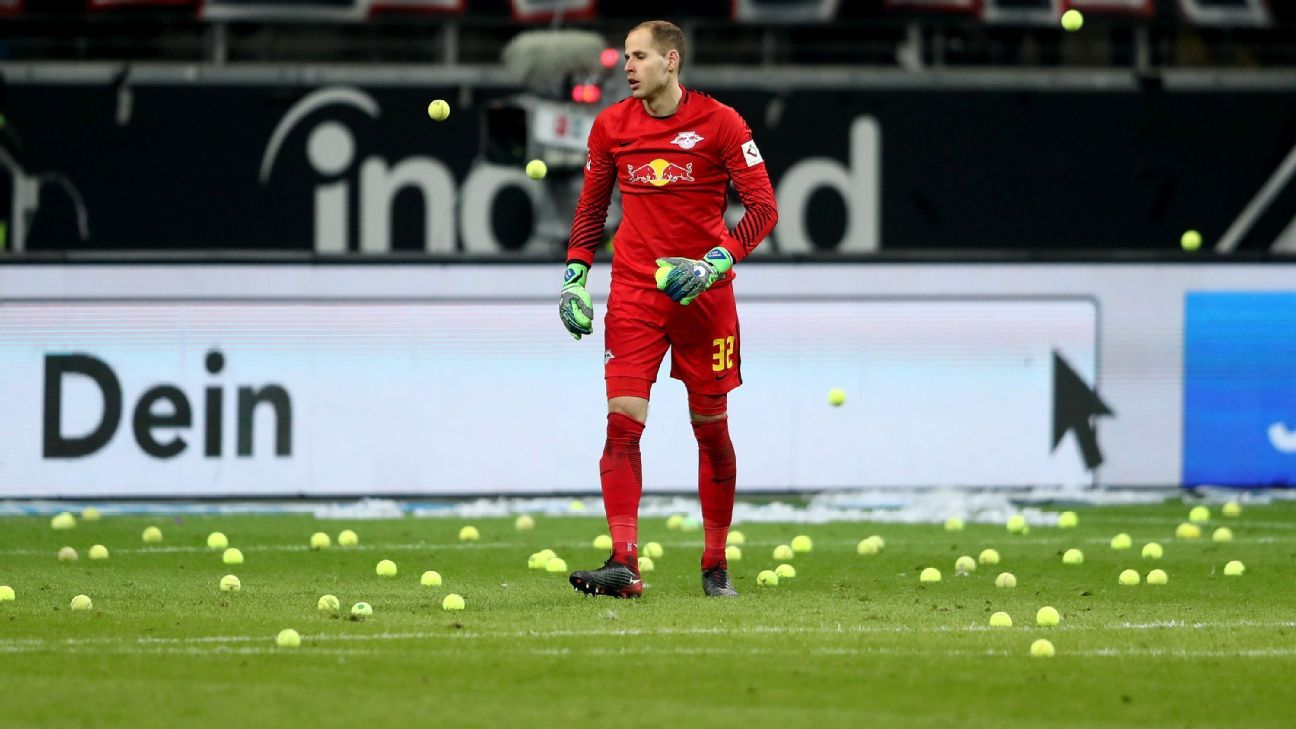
659, 172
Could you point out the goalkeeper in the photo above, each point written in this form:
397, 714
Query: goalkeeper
673, 152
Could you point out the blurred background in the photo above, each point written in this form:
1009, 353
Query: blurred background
1031, 253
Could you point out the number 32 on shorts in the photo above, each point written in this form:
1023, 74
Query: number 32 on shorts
722, 357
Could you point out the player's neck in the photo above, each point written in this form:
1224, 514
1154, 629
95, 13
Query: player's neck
664, 102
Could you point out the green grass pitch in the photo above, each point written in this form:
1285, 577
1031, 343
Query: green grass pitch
851, 641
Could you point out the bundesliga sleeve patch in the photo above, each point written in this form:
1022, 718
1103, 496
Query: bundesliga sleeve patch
751, 153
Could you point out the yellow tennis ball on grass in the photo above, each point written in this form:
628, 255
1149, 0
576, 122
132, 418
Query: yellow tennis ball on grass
232, 556
1223, 534
67, 554
320, 540
651, 549
965, 565
603, 542
646, 564
953, 524
99, 551
1073, 556
556, 564
988, 556
1067, 520
1121, 541
785, 571
230, 583
361, 611
1006, 579
1231, 509
386, 568
783, 553
524, 522
1047, 616
1152, 550
152, 535
866, 547
1001, 620
931, 574
1187, 530
347, 538
452, 602
90, 513
63, 520
1234, 569
217, 540
439, 110
1157, 577
7, 593
735, 537
1042, 648
82, 602
288, 638
328, 604
802, 544
431, 578
733, 553
1129, 577
767, 578
469, 534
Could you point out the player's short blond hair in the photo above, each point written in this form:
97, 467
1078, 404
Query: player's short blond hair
666, 36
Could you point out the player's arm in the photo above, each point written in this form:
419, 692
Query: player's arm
575, 308
685, 279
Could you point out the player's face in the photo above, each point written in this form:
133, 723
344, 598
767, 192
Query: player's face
645, 66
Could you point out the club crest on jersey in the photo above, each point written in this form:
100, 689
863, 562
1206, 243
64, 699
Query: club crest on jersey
686, 140
659, 172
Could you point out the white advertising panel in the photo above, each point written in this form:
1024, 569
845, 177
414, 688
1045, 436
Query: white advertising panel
329, 380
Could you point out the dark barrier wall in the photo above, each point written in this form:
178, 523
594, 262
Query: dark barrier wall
193, 166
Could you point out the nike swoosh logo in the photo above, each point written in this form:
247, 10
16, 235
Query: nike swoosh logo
635, 582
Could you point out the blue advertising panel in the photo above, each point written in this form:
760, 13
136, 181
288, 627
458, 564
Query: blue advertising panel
1240, 388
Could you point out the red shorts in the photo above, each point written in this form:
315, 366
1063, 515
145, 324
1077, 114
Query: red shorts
702, 337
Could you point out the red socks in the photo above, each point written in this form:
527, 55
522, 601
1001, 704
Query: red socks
621, 475
717, 474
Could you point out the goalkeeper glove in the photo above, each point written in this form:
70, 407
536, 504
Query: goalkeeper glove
574, 305
684, 279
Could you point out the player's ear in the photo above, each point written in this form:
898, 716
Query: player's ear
672, 60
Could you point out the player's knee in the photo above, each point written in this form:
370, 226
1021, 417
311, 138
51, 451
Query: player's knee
707, 408
635, 408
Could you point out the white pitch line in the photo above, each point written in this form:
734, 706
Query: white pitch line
39, 643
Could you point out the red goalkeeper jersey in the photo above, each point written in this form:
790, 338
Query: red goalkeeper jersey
673, 172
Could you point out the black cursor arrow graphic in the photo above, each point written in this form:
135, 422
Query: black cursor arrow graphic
1075, 405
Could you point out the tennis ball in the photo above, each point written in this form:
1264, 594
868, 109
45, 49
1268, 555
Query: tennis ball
1042, 648
152, 535
230, 583
536, 169
90, 513
98, 551
1072, 20
1073, 556
576, 505
1016, 524
866, 547
547, 554
524, 522
347, 538
1187, 531
67, 554
836, 397
63, 520
646, 564
767, 578
785, 571
988, 556
674, 521
733, 553
320, 540
602, 541
1157, 577
1191, 240
6, 593
1234, 569
1067, 520
1005, 579
736, 537
783, 553
1128, 577
555, 564
964, 565
386, 568
232, 556
216, 540
439, 110
1231, 509
690, 524
288, 638
1152, 550
1047, 617
1001, 620
452, 602
431, 578
1121, 541
82, 602
652, 549
328, 604
537, 561
469, 534
931, 574
879, 541
1223, 534
1199, 515
361, 611
802, 544
953, 524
